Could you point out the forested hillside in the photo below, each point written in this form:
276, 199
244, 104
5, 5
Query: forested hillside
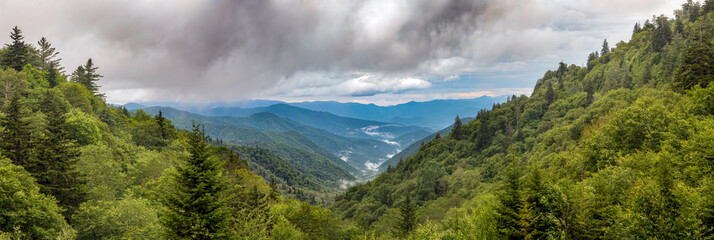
73, 167
622, 148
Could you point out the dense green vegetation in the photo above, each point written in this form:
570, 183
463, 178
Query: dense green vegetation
73, 167
619, 149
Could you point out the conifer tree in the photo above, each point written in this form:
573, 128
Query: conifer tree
605, 48
195, 208
637, 28
697, 67
510, 204
456, 131
52, 74
274, 192
17, 53
48, 56
54, 167
16, 138
407, 220
87, 75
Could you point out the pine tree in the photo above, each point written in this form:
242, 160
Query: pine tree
274, 192
16, 138
195, 208
456, 131
661, 35
87, 76
605, 48
407, 220
48, 56
52, 74
54, 167
637, 28
161, 121
510, 204
697, 67
17, 53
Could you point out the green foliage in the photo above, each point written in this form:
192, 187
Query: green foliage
697, 68
55, 165
194, 206
128, 218
87, 75
27, 213
18, 53
407, 221
82, 128
16, 131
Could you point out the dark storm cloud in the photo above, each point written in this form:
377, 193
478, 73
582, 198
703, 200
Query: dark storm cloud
226, 50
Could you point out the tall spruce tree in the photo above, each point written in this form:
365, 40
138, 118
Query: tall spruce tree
605, 48
456, 131
407, 219
17, 53
48, 56
16, 136
507, 213
87, 75
195, 207
54, 168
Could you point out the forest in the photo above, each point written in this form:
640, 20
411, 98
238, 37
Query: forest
621, 148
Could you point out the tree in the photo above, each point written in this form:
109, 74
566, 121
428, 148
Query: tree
55, 166
507, 213
637, 28
25, 210
274, 192
605, 48
456, 131
16, 136
48, 56
195, 206
87, 76
17, 53
697, 67
591, 60
661, 35
407, 220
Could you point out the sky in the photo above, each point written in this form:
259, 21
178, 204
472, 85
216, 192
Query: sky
372, 51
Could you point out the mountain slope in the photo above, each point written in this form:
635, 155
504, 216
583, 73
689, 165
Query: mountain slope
362, 154
613, 150
416, 145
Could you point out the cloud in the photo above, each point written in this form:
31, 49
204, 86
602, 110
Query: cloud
232, 49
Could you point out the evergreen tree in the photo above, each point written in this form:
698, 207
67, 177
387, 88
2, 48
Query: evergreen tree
274, 192
550, 94
161, 121
605, 48
661, 35
697, 67
195, 206
48, 56
54, 167
52, 74
591, 58
456, 131
18, 52
507, 213
16, 138
637, 28
407, 220
87, 76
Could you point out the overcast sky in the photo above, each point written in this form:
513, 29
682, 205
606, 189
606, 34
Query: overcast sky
377, 51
